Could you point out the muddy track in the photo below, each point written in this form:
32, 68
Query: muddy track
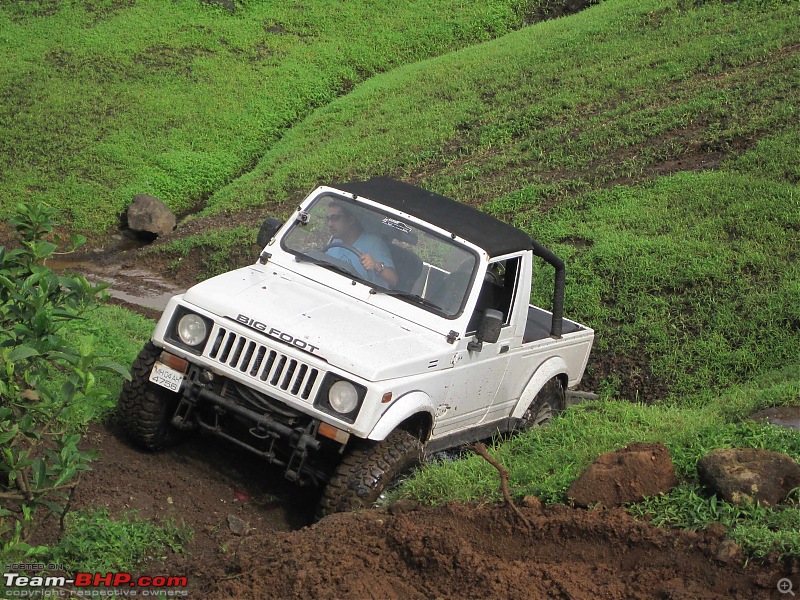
198, 483
407, 552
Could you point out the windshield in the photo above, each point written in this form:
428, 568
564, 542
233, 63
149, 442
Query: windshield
394, 257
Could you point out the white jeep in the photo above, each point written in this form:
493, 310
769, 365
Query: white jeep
380, 323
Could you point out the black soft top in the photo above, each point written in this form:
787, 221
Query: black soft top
493, 235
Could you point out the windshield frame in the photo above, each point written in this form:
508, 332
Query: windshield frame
300, 220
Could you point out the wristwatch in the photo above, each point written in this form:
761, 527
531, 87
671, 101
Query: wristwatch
380, 267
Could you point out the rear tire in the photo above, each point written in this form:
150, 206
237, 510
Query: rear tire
145, 409
548, 403
367, 472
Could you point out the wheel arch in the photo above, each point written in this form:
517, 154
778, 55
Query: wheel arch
412, 412
550, 368
419, 425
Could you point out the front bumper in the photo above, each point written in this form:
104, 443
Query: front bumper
289, 439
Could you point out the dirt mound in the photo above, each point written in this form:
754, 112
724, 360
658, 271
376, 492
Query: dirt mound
407, 552
627, 475
462, 551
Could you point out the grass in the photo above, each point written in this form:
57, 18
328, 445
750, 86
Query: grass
759, 530
95, 542
697, 272
117, 333
605, 96
105, 99
545, 461
219, 249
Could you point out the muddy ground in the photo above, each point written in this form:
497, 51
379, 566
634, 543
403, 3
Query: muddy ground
407, 551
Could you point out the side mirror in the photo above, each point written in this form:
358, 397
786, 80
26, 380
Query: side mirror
268, 230
488, 329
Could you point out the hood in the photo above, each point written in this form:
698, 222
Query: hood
348, 333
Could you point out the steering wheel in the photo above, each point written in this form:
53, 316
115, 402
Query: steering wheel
344, 246
345, 265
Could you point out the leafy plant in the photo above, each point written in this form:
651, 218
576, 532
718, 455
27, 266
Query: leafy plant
42, 380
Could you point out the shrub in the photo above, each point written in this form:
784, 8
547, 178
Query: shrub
42, 380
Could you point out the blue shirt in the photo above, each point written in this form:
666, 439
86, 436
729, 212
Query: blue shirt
370, 244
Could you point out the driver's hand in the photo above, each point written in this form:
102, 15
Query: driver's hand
369, 263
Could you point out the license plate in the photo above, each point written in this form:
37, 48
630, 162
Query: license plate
166, 377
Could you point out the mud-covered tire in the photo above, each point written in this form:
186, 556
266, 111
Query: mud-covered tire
145, 409
548, 403
367, 471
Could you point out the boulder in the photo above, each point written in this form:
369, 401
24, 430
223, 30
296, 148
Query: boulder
627, 475
148, 214
746, 475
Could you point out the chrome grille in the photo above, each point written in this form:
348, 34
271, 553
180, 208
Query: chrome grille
263, 363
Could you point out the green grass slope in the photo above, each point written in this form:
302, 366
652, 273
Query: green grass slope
692, 281
104, 99
620, 92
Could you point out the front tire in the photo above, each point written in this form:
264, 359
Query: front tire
365, 473
145, 409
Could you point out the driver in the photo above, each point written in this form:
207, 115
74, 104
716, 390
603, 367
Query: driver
375, 263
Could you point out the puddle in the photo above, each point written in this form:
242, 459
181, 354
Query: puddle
130, 285
111, 264
782, 416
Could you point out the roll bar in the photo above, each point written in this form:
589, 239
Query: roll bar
556, 325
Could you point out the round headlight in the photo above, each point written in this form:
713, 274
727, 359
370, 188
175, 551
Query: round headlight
192, 329
343, 397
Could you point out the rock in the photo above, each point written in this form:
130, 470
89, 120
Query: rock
404, 505
532, 502
729, 551
746, 475
237, 525
148, 214
627, 475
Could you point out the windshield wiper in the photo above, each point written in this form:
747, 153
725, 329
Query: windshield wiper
407, 295
300, 257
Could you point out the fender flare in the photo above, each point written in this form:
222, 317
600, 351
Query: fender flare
547, 370
403, 408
